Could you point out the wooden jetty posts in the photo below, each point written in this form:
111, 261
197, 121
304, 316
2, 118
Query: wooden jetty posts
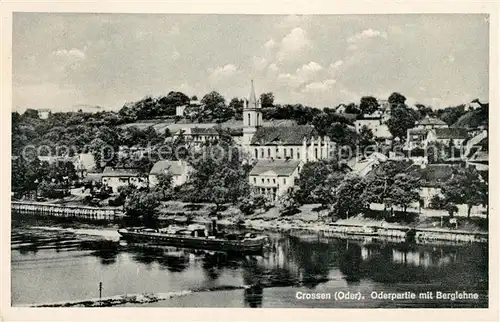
66, 211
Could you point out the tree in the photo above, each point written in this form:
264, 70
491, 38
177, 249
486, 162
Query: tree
365, 138
396, 100
402, 119
343, 135
348, 199
404, 190
440, 203
368, 104
316, 181
30, 113
164, 184
236, 105
218, 175
267, 99
324, 121
451, 114
215, 108
143, 205
381, 186
466, 187
352, 108
424, 110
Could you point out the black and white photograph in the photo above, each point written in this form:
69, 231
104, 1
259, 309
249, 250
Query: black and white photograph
182, 160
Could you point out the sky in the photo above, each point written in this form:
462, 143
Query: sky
63, 61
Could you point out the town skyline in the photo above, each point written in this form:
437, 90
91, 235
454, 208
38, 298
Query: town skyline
64, 62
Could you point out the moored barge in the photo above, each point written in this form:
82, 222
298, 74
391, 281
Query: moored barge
196, 236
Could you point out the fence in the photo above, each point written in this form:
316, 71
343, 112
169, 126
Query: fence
65, 211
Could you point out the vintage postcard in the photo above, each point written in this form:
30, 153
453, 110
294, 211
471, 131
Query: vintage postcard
330, 160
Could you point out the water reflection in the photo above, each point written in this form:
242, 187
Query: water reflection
350, 265
253, 296
292, 261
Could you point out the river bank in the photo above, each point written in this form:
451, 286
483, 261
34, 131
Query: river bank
425, 229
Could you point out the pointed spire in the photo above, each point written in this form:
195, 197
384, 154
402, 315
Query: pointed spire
252, 98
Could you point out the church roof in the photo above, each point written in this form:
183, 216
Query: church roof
280, 167
286, 135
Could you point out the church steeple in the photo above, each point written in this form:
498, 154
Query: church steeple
252, 116
252, 98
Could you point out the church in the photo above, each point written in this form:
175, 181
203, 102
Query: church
297, 142
279, 152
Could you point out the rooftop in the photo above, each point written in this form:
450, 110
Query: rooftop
176, 168
451, 133
430, 121
280, 167
286, 135
120, 172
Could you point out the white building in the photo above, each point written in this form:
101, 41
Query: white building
430, 123
179, 110
178, 169
376, 123
44, 114
273, 178
447, 135
119, 177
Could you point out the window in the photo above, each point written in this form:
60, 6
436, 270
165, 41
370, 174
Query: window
268, 181
262, 180
298, 154
284, 180
274, 180
254, 180
268, 153
291, 153
248, 116
316, 153
284, 150
256, 153
262, 153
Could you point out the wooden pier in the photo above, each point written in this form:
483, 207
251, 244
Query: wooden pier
66, 211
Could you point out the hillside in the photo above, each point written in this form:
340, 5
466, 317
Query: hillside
473, 119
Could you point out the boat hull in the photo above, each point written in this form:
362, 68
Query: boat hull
252, 245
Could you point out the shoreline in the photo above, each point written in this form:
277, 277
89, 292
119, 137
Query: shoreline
356, 227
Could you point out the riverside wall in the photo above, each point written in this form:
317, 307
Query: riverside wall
66, 211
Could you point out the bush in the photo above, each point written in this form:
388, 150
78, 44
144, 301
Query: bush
116, 202
52, 190
250, 204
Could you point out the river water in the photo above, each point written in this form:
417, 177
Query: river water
50, 263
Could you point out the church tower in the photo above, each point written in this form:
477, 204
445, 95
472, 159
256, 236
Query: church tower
252, 116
